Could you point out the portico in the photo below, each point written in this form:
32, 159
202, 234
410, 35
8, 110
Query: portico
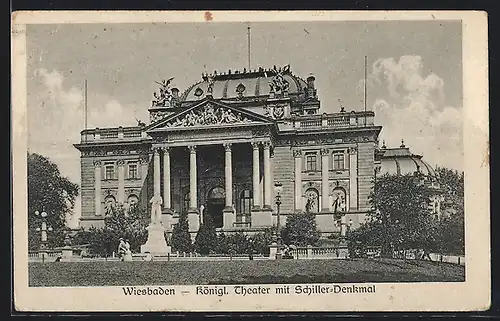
197, 151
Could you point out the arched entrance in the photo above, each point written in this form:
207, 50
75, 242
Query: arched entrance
215, 205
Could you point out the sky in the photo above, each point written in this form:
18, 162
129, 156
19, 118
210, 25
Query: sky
414, 75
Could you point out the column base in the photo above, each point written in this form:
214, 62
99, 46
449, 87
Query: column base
229, 217
325, 211
262, 217
193, 220
167, 218
156, 243
267, 207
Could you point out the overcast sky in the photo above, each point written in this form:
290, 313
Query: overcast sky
414, 75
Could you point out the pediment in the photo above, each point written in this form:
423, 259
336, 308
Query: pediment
210, 113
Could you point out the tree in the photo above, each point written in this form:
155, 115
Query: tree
206, 238
129, 224
399, 217
181, 238
452, 230
262, 240
50, 192
301, 230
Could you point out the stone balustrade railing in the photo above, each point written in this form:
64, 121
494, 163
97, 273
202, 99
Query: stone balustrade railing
120, 133
338, 120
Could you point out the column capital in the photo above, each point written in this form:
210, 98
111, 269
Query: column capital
97, 163
156, 149
297, 153
255, 145
266, 144
192, 149
353, 150
144, 160
165, 149
120, 162
325, 151
227, 147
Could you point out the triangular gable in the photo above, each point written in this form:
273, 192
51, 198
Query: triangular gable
210, 113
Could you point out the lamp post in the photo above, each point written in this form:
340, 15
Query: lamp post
43, 229
278, 188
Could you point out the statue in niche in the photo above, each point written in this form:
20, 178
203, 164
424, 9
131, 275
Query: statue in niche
165, 96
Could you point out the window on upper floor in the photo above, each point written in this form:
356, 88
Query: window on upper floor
133, 171
338, 160
311, 162
109, 171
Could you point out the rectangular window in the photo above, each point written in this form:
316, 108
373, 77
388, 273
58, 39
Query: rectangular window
109, 172
338, 160
132, 171
311, 162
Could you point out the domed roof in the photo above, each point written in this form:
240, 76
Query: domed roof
401, 161
233, 85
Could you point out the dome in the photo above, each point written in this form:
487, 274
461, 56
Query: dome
237, 84
401, 161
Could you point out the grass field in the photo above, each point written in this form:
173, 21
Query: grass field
240, 272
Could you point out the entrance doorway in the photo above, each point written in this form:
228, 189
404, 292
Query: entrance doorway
215, 205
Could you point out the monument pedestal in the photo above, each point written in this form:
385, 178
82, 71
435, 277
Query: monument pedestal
156, 243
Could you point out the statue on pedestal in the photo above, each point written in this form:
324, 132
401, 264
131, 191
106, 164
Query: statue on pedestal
156, 204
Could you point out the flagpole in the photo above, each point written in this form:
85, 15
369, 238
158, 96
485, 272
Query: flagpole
249, 48
85, 109
365, 90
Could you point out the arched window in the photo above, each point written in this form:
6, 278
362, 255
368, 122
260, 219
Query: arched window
109, 204
217, 193
246, 202
186, 202
339, 200
312, 200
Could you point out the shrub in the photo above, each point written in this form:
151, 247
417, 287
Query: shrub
301, 229
181, 239
206, 238
261, 242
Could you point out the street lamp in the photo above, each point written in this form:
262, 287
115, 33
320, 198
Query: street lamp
278, 187
43, 229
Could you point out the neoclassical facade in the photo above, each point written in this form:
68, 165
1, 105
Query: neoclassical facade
218, 149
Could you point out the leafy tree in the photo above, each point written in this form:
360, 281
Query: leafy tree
130, 224
301, 230
206, 238
222, 244
238, 243
452, 231
50, 192
181, 238
262, 240
399, 218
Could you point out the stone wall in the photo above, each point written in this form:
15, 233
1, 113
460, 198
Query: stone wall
283, 172
365, 173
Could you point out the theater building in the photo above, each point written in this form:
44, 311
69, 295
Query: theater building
218, 148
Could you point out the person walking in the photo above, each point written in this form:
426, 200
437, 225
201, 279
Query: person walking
121, 249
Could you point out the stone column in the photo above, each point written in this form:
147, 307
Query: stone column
267, 175
97, 187
297, 154
192, 179
121, 181
228, 170
353, 178
325, 188
193, 217
256, 176
156, 172
167, 202
229, 215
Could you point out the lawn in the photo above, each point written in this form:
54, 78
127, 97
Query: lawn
95, 273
